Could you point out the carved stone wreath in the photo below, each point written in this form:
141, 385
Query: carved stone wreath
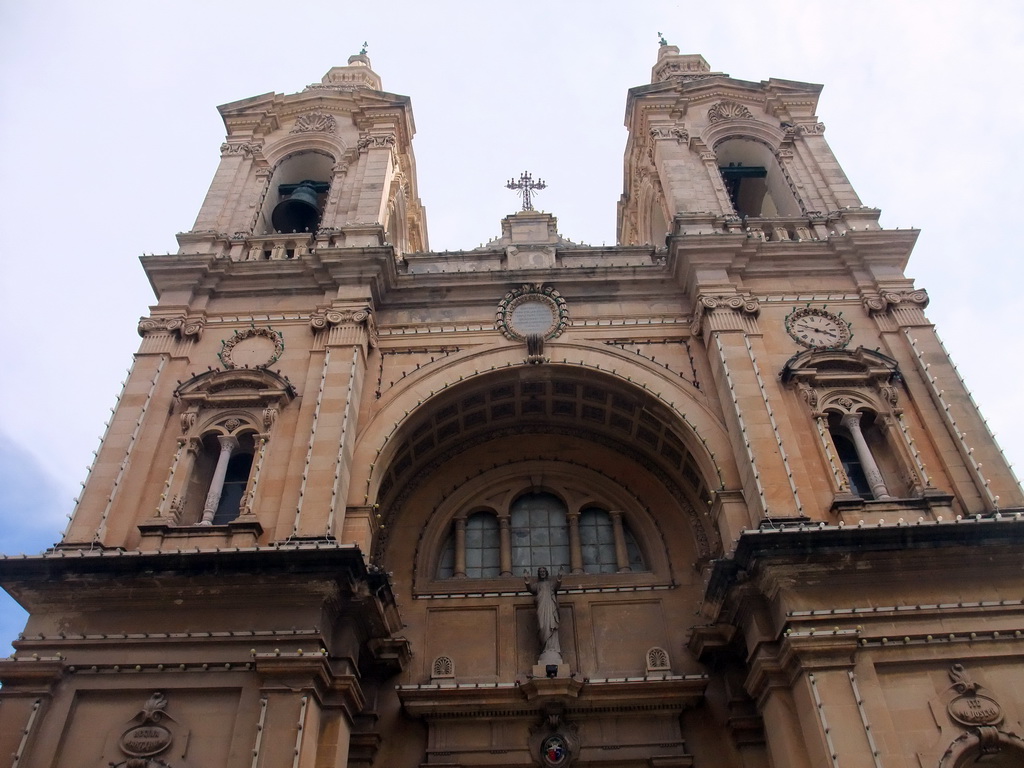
318, 122
532, 310
266, 347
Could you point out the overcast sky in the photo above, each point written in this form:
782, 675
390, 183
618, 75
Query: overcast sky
110, 139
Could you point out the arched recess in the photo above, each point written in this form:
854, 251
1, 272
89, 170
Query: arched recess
227, 418
854, 396
560, 416
580, 491
986, 746
747, 157
652, 219
308, 161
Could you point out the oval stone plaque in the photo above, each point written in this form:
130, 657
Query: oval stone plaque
975, 709
145, 740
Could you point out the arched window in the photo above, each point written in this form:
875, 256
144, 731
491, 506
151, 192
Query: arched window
482, 546
597, 541
213, 501
754, 179
538, 530
540, 533
598, 544
854, 470
865, 456
235, 481
296, 194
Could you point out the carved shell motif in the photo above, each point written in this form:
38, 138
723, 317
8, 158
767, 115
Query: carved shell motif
728, 110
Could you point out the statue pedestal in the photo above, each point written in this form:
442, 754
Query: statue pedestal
544, 670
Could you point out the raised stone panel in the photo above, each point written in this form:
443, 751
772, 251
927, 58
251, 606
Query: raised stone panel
200, 724
623, 631
447, 633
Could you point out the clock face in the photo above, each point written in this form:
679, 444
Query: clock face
818, 329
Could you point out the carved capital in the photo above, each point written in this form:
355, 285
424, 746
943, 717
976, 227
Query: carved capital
887, 300
708, 306
328, 318
186, 329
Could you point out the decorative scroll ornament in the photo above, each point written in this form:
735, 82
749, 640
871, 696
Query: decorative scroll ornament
971, 708
532, 310
252, 348
886, 300
245, 148
736, 303
811, 129
370, 142
315, 122
728, 110
181, 326
681, 135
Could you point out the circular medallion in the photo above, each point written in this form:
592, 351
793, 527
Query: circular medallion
252, 348
532, 310
554, 751
818, 329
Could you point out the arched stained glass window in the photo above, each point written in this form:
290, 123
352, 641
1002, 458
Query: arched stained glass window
597, 542
446, 565
482, 546
540, 534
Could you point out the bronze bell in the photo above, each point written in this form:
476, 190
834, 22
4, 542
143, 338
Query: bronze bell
299, 211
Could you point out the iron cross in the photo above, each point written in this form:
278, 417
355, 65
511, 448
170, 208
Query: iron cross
525, 186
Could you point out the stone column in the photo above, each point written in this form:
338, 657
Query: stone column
505, 544
228, 444
621, 554
459, 569
575, 548
874, 477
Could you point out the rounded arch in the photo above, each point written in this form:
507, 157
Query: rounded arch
299, 143
307, 162
557, 412
988, 746
750, 169
576, 487
233, 422
697, 447
770, 136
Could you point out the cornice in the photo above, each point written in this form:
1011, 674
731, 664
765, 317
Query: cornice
576, 696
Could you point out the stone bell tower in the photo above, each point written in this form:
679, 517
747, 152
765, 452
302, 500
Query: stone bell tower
244, 398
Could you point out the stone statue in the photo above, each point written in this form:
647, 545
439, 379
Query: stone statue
545, 595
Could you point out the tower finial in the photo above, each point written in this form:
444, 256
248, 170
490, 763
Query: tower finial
661, 39
362, 51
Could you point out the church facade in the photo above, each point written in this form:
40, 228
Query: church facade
714, 496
